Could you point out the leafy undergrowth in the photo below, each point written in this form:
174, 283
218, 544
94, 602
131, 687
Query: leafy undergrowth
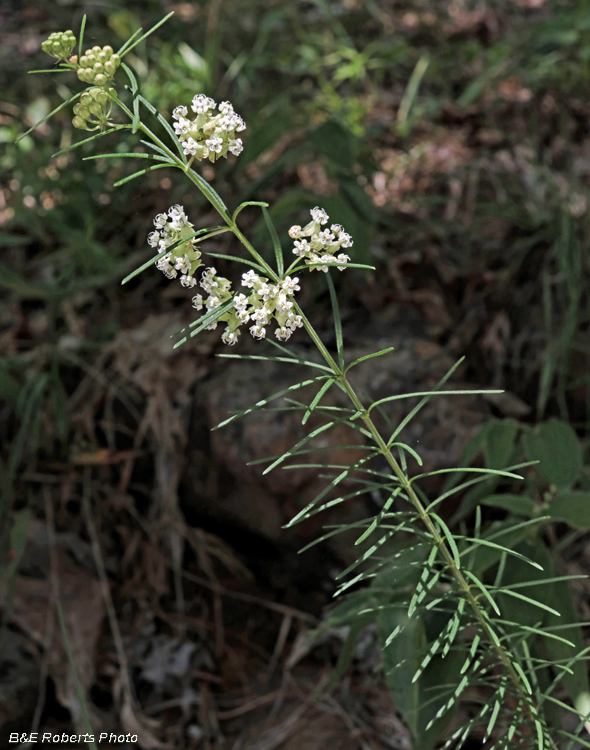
452, 142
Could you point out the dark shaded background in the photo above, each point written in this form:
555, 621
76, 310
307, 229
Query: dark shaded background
451, 140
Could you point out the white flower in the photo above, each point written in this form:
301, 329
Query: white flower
242, 316
183, 264
336, 228
235, 146
345, 240
202, 104
179, 112
342, 258
214, 144
197, 302
212, 327
294, 321
212, 302
188, 281
170, 273
325, 237
160, 221
258, 332
249, 279
301, 248
153, 239
190, 147
295, 232
182, 126
283, 333
241, 124
319, 215
226, 108
230, 337
240, 301
290, 285
261, 315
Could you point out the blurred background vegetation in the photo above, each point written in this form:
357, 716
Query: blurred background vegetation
451, 139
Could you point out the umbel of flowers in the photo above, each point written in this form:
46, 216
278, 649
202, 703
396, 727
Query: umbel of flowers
208, 136
265, 303
93, 110
185, 258
59, 44
323, 244
98, 65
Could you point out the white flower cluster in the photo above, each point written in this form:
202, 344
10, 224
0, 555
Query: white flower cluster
185, 258
265, 302
323, 244
208, 136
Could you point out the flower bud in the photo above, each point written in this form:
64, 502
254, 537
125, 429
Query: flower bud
95, 109
98, 68
84, 61
79, 123
108, 50
73, 59
84, 112
110, 68
116, 60
100, 79
102, 57
96, 49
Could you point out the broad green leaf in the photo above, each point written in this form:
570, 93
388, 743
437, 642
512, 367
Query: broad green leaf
556, 446
571, 506
517, 504
500, 437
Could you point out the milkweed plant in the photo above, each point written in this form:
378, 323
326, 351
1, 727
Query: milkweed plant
444, 603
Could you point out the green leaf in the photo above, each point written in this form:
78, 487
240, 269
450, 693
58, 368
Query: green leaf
209, 193
147, 33
204, 321
370, 356
573, 507
500, 437
138, 174
517, 504
134, 92
275, 241
317, 398
92, 138
243, 205
53, 112
166, 125
337, 321
556, 446
265, 401
235, 258
275, 359
82, 28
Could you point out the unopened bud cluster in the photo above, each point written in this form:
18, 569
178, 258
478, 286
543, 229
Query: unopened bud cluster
98, 65
323, 244
266, 302
208, 136
59, 44
184, 259
93, 109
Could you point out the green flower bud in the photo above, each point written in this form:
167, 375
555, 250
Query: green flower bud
84, 61
77, 108
86, 98
95, 109
116, 60
81, 74
96, 49
84, 112
98, 67
110, 68
102, 58
59, 44
88, 52
78, 122
100, 96
100, 79
108, 50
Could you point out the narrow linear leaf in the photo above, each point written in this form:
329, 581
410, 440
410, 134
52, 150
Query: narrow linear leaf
236, 259
167, 127
242, 206
138, 174
92, 138
264, 401
147, 33
205, 321
483, 590
450, 539
82, 29
337, 321
275, 241
291, 360
317, 398
370, 356
53, 112
129, 41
